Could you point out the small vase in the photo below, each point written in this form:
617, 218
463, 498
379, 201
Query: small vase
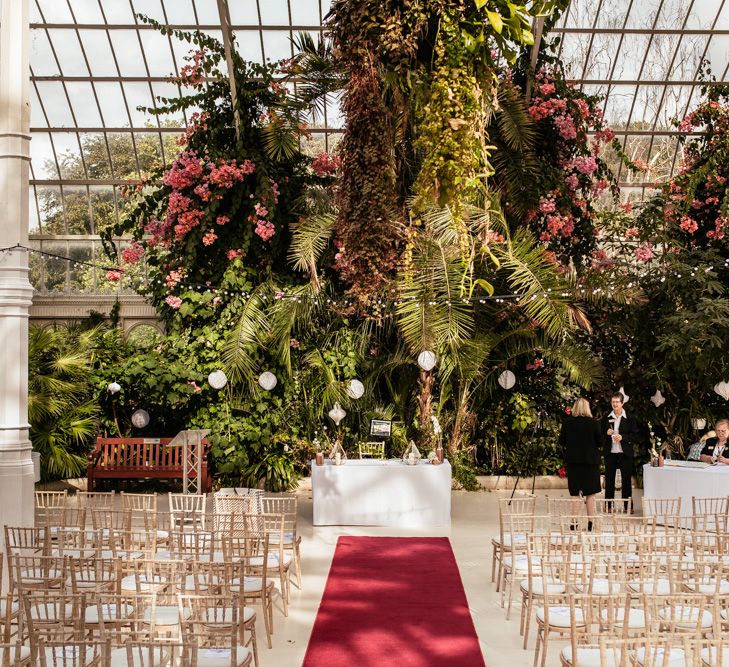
660, 460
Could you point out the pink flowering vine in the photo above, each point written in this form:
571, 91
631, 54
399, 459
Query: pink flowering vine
173, 302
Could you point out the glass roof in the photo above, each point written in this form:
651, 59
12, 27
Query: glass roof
93, 63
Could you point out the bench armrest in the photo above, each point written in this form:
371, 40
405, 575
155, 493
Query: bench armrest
93, 458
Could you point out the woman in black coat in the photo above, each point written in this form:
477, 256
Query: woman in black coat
581, 444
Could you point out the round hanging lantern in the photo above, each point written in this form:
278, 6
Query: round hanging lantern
268, 380
355, 389
722, 389
217, 379
626, 398
140, 418
427, 360
114, 387
657, 399
507, 379
337, 413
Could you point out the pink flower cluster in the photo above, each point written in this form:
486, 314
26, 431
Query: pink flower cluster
325, 164
115, 275
585, 165
173, 302
132, 253
536, 364
644, 253
234, 254
688, 224
193, 74
209, 238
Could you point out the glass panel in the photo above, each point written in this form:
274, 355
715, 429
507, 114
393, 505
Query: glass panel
611, 14
277, 44
51, 210
703, 14
157, 52
68, 50
180, 12
76, 205
96, 46
96, 155
34, 224
249, 45
207, 11
35, 263
149, 151
602, 55
86, 11
85, 107
151, 8
117, 12
55, 11
103, 210
170, 91
55, 103
673, 13
123, 161
274, 12
37, 117
643, 14
81, 276
315, 145
243, 13
113, 106
55, 270
138, 94
42, 60
305, 12
68, 152
129, 53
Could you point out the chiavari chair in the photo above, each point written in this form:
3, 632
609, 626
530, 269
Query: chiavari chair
286, 504
691, 614
250, 555
508, 506
216, 624
95, 575
9, 610
50, 507
610, 506
187, 511
153, 653
562, 615
76, 653
14, 654
27, 540
54, 616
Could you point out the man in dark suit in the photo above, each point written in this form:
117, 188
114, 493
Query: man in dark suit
619, 434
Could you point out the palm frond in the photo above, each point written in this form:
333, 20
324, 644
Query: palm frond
239, 349
309, 238
280, 140
533, 277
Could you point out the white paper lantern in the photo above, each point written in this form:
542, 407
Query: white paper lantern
722, 389
626, 398
427, 360
217, 379
268, 380
355, 389
657, 399
507, 379
140, 418
337, 413
698, 424
114, 387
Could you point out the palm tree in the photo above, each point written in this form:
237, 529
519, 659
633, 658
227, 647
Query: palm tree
61, 409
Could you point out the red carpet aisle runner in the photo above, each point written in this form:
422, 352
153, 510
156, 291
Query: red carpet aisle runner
394, 601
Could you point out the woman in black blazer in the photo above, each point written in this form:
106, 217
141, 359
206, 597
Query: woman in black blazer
581, 444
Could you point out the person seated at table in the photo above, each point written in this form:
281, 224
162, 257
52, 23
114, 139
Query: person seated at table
716, 450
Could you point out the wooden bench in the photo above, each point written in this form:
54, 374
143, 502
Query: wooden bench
143, 458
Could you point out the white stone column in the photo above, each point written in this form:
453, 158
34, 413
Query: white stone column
16, 466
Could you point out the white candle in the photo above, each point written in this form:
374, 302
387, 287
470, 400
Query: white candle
337, 459
411, 458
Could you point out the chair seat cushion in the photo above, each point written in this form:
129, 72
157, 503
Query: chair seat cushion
109, 612
537, 588
51, 612
521, 563
708, 586
686, 617
601, 587
69, 655
636, 618
290, 538
710, 658
146, 584
225, 614
250, 585
559, 617
221, 657
273, 561
658, 587
165, 615
676, 657
589, 656
140, 658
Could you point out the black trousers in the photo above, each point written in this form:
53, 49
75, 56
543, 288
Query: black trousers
612, 463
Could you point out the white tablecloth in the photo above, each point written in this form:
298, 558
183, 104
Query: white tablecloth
381, 493
674, 482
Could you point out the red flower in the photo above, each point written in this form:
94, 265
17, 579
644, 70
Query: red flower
562, 472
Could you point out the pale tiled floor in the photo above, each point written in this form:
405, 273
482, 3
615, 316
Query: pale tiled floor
474, 523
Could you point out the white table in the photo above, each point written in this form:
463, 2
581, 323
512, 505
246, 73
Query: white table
370, 492
674, 482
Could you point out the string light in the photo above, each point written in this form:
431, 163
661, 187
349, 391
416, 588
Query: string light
347, 303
